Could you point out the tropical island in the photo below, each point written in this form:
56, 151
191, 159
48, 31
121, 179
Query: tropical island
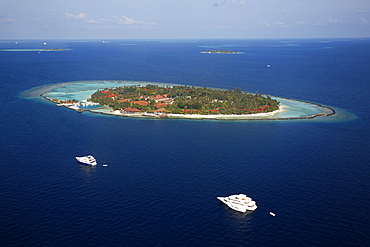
184, 100
220, 51
140, 99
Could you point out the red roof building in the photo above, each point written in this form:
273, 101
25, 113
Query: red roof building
131, 110
160, 110
112, 95
160, 105
141, 102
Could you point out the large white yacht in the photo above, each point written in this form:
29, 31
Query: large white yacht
240, 202
87, 160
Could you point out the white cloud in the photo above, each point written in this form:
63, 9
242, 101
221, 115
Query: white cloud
335, 21
7, 20
274, 24
91, 21
281, 24
361, 11
265, 24
79, 16
231, 3
121, 20
302, 23
363, 20
124, 20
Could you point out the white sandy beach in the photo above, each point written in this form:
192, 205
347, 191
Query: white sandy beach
267, 114
199, 116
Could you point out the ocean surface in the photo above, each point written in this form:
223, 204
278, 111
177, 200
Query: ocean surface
163, 176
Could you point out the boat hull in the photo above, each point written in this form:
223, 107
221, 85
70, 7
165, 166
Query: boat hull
87, 164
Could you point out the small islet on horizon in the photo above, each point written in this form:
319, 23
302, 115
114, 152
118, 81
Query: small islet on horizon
38, 50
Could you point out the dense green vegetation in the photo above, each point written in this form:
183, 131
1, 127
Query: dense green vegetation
185, 99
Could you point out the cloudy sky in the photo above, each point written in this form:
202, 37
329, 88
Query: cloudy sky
154, 19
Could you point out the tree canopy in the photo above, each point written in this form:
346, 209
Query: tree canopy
185, 100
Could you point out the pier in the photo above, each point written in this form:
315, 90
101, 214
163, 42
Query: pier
91, 109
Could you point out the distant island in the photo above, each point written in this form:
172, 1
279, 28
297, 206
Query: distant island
52, 49
220, 51
183, 100
38, 50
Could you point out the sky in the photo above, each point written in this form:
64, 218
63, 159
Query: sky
183, 19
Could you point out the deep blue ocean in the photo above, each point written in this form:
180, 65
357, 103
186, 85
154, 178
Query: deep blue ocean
163, 176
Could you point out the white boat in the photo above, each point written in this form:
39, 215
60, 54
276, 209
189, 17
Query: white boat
87, 160
240, 202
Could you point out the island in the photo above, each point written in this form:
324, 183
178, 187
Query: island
38, 50
155, 99
53, 49
220, 51
139, 99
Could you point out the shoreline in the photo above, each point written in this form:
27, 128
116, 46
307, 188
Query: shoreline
266, 114
256, 116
